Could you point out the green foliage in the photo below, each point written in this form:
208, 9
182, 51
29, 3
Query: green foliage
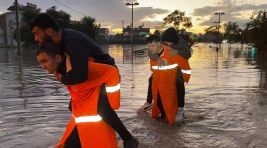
157, 32
62, 17
211, 35
256, 30
178, 20
211, 29
232, 32
26, 36
28, 14
87, 25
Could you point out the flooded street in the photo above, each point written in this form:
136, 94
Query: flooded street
226, 101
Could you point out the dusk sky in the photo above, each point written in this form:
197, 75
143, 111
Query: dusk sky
110, 13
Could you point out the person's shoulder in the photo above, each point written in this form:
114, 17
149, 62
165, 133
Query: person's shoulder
165, 46
72, 34
169, 50
103, 67
74, 37
173, 54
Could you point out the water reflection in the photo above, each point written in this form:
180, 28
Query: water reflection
226, 100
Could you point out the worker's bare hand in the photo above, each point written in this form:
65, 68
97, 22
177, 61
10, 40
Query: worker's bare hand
68, 64
58, 76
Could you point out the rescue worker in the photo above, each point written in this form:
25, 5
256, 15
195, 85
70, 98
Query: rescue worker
86, 127
181, 46
80, 48
164, 79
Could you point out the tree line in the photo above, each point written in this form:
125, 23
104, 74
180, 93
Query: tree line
254, 32
87, 24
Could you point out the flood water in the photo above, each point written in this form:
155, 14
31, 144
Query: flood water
226, 101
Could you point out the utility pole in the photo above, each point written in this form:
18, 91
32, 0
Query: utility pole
132, 4
18, 27
219, 22
122, 37
218, 27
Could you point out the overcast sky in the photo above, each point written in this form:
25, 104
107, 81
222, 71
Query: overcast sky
110, 13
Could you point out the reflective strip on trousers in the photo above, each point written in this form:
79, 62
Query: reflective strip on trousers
83, 119
165, 67
113, 88
186, 71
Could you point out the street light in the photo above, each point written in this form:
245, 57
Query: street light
219, 22
132, 4
18, 28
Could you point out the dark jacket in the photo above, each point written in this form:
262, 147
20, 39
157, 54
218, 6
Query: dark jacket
80, 47
183, 48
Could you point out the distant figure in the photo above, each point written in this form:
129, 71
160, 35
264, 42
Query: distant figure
80, 48
181, 46
164, 79
253, 52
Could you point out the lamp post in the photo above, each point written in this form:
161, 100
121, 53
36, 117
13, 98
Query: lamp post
18, 28
122, 36
219, 23
132, 4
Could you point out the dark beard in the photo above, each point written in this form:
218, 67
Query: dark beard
46, 40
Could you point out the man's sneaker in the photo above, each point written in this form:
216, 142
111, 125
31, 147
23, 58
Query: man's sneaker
147, 106
180, 115
132, 143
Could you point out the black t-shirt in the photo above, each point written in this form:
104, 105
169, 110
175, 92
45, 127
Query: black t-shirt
80, 47
62, 67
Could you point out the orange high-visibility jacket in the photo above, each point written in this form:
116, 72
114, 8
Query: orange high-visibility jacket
164, 82
93, 131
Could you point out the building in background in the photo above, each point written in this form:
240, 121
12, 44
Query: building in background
102, 36
139, 34
1, 37
7, 27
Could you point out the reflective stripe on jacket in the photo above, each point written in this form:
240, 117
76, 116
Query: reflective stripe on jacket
93, 131
164, 82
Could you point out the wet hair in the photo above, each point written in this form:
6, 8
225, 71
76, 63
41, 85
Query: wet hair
170, 35
152, 38
49, 48
44, 21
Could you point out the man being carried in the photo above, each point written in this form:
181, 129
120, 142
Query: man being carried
80, 48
